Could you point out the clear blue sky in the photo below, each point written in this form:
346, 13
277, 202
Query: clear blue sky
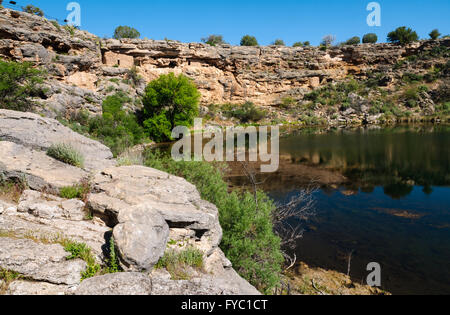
290, 20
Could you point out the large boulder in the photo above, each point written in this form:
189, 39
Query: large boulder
39, 133
141, 237
51, 207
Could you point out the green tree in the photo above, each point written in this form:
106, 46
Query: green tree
174, 97
353, 41
434, 34
279, 42
33, 10
214, 40
370, 38
126, 32
403, 36
248, 40
19, 82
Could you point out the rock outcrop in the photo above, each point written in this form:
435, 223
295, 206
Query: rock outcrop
141, 208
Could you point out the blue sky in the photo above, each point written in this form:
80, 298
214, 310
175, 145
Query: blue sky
290, 20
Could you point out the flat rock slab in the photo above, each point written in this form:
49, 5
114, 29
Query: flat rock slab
40, 171
36, 288
51, 207
141, 237
92, 233
39, 133
125, 283
206, 285
40, 262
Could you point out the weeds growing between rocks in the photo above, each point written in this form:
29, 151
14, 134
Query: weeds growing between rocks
66, 154
177, 262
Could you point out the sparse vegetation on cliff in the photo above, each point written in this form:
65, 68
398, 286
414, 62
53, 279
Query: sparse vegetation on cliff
33, 10
18, 83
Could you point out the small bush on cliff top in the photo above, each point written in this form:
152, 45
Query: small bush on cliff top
126, 32
19, 82
403, 36
353, 41
66, 154
214, 40
370, 38
248, 40
434, 34
248, 238
33, 10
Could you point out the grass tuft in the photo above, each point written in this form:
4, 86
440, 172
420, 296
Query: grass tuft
66, 154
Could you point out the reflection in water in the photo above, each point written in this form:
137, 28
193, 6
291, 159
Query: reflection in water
385, 194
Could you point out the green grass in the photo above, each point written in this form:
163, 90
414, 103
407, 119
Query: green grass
82, 251
176, 262
7, 277
66, 154
74, 192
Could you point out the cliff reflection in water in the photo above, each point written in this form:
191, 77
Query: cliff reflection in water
397, 159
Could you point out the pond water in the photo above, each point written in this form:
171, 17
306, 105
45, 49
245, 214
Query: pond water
384, 194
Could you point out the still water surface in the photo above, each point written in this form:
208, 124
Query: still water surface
384, 194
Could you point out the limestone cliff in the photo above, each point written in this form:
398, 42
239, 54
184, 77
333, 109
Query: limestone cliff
84, 68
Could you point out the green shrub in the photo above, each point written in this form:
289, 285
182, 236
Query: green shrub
370, 38
169, 101
126, 32
33, 10
246, 113
403, 36
411, 77
248, 40
279, 42
434, 34
159, 128
19, 82
301, 44
248, 238
214, 40
66, 154
353, 41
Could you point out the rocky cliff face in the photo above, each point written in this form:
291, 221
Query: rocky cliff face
148, 213
84, 68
